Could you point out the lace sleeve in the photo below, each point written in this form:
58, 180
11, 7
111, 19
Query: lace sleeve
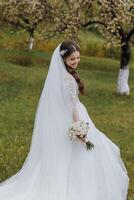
73, 93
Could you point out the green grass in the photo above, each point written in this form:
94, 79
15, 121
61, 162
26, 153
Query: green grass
20, 90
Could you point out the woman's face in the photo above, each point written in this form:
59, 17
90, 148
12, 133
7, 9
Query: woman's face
73, 60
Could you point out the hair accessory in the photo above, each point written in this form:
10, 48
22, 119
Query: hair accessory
62, 52
74, 48
78, 46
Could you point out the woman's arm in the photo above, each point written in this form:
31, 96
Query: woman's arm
72, 88
75, 115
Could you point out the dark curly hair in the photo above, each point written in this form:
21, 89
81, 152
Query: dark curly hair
70, 47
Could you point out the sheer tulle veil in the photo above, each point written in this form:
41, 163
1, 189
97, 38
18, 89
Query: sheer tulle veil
52, 120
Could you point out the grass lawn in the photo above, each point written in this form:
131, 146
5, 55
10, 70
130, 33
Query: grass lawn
20, 90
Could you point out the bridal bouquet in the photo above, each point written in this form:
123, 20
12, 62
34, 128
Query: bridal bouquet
79, 131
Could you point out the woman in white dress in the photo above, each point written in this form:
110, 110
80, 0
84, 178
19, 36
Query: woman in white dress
57, 168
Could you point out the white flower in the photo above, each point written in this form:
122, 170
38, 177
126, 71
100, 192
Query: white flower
78, 128
62, 52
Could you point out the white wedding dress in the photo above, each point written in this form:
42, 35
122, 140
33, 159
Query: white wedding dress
57, 168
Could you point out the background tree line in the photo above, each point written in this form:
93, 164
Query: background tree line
114, 20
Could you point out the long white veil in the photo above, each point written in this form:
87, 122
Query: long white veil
52, 120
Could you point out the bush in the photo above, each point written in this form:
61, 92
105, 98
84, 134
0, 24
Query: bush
94, 48
20, 60
25, 58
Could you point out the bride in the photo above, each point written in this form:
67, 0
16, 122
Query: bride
57, 168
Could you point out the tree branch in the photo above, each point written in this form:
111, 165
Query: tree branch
93, 22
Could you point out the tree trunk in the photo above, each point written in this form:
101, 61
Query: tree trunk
122, 83
31, 42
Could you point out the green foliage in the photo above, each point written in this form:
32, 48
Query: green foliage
13, 39
93, 44
90, 42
